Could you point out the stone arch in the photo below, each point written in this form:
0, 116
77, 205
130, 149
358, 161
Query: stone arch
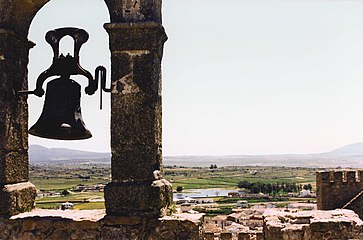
136, 44
95, 52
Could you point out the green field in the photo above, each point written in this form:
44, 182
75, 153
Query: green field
60, 177
228, 177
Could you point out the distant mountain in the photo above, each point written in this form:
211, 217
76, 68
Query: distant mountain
351, 149
40, 154
347, 156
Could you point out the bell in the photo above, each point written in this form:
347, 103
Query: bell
61, 117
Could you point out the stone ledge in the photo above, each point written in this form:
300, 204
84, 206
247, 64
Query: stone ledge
144, 199
136, 36
308, 225
17, 198
94, 224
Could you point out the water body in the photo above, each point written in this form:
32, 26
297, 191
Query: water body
199, 193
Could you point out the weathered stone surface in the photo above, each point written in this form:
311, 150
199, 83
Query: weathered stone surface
243, 236
13, 77
208, 236
138, 198
333, 191
322, 225
136, 93
17, 198
14, 49
135, 162
136, 36
17, 15
356, 204
136, 43
87, 225
14, 167
134, 11
226, 236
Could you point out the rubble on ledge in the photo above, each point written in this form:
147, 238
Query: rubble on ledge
308, 225
41, 224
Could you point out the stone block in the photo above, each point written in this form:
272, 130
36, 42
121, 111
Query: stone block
135, 121
259, 236
323, 225
17, 198
135, 162
136, 36
226, 236
208, 236
13, 167
136, 114
244, 236
149, 198
127, 11
119, 220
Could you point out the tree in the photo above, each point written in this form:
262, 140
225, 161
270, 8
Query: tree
65, 192
179, 188
308, 187
213, 166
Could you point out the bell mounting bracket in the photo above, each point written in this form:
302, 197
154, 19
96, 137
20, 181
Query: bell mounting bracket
65, 66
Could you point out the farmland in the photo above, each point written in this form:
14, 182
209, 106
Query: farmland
53, 179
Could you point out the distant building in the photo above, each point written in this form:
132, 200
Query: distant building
67, 205
242, 204
304, 193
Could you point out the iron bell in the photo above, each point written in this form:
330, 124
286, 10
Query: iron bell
61, 117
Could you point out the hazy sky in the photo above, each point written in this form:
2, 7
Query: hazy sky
239, 77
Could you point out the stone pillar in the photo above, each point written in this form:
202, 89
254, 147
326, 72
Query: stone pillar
137, 187
323, 190
16, 193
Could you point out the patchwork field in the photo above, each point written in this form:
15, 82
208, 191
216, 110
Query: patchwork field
54, 179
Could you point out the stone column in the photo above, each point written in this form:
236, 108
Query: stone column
136, 43
16, 193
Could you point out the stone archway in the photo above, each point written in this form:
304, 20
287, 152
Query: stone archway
136, 44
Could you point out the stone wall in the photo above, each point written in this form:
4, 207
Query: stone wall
308, 225
94, 224
336, 188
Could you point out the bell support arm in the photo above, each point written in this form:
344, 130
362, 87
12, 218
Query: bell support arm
100, 75
65, 66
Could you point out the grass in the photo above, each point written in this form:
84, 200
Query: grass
78, 206
58, 184
90, 206
60, 177
228, 177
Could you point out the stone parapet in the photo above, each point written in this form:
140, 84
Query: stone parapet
16, 198
93, 224
336, 188
226, 236
309, 225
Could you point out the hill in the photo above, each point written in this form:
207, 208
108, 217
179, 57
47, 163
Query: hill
346, 156
351, 149
39, 154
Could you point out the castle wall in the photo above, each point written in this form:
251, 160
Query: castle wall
337, 188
